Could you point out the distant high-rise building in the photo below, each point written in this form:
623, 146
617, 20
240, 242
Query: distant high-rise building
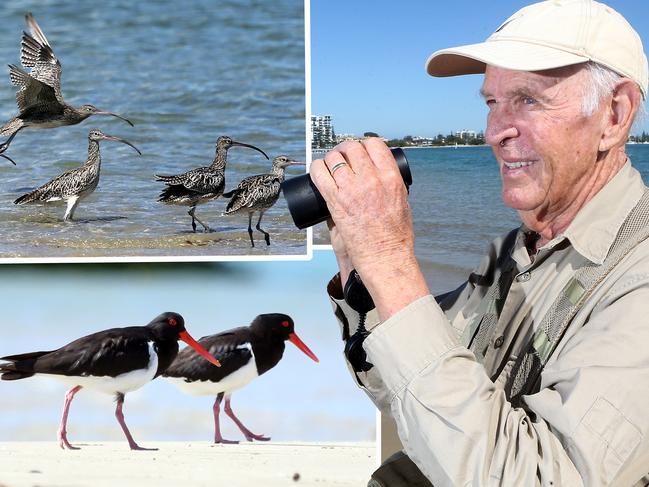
466, 134
322, 131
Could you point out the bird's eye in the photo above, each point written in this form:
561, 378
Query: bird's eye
285, 324
173, 322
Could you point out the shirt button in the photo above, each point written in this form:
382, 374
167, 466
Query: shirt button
499, 342
524, 277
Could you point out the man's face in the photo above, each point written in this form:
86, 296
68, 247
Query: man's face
546, 148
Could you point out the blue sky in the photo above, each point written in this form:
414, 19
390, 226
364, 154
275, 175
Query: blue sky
297, 400
368, 59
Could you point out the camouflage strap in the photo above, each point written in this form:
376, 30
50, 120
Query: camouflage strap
481, 330
525, 376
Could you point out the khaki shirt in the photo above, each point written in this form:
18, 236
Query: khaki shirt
589, 423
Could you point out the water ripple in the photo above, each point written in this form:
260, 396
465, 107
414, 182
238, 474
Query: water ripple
184, 78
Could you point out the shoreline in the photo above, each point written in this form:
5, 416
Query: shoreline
195, 464
324, 151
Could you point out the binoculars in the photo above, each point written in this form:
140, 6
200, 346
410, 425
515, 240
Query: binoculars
306, 204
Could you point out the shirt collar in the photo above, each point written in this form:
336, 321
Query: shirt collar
595, 227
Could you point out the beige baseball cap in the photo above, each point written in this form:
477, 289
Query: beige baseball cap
552, 34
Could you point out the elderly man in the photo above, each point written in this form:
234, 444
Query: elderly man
536, 370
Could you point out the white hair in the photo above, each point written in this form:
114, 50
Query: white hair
603, 82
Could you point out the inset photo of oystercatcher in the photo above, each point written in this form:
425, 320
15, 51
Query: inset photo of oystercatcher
228, 370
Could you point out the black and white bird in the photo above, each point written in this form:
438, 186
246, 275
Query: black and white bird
39, 99
78, 183
202, 184
259, 193
245, 353
114, 361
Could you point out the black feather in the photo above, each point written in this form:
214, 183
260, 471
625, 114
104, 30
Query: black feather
173, 191
22, 365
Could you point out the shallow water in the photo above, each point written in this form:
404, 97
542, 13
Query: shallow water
184, 77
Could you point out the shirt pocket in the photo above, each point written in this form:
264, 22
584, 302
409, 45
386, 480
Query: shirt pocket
613, 437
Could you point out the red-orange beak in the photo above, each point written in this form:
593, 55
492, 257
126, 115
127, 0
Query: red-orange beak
200, 349
295, 340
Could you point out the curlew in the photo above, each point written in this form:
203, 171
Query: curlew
39, 99
78, 183
202, 184
259, 193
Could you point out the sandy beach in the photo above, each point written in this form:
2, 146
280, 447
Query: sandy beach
43, 464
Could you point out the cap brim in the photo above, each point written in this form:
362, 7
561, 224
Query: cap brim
521, 56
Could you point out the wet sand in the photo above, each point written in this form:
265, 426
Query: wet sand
43, 464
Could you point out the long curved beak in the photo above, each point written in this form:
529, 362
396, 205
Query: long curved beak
295, 340
118, 139
115, 115
200, 349
8, 158
241, 144
296, 163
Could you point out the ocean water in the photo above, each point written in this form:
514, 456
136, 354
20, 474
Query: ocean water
457, 208
184, 74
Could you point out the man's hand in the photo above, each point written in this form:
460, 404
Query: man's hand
372, 225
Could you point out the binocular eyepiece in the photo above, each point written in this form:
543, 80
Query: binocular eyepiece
306, 204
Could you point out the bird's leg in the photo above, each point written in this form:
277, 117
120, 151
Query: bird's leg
207, 229
246, 432
192, 212
62, 433
217, 426
250, 228
266, 234
120, 419
73, 202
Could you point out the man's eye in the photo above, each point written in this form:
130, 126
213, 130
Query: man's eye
528, 100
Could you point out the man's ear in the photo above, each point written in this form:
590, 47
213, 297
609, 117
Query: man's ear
620, 114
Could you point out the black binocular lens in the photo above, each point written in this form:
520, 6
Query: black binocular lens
306, 204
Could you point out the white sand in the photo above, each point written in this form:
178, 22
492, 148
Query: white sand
44, 464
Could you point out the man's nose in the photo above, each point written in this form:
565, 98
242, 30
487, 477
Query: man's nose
501, 126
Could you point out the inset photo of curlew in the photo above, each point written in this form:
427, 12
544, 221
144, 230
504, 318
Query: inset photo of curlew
182, 372
211, 100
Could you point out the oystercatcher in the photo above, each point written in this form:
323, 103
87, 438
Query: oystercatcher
245, 353
114, 361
